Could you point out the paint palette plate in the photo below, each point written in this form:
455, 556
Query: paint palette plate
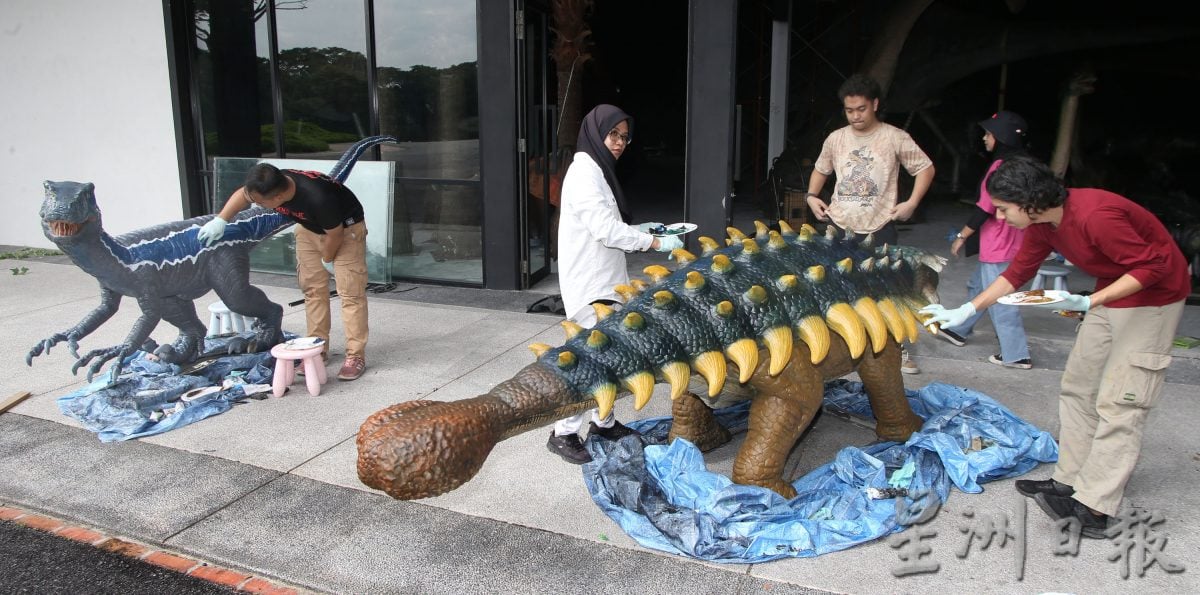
674, 229
1033, 297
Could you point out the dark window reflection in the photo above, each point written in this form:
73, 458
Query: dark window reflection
323, 76
427, 76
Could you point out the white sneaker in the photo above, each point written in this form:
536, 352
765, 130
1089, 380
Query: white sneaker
908, 366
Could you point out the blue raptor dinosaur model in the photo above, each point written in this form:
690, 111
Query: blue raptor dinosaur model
165, 268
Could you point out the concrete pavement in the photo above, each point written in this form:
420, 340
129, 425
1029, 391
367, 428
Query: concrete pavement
270, 487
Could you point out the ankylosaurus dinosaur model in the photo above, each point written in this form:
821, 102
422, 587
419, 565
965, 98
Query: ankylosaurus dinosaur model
165, 268
789, 309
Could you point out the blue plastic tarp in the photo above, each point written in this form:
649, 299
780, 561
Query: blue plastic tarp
663, 496
133, 405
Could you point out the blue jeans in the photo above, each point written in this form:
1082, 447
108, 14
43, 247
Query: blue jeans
1005, 319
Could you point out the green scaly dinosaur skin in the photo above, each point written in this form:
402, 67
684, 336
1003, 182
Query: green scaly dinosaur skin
789, 310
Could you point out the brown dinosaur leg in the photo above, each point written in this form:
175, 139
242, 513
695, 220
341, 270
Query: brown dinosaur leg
694, 421
880, 374
782, 409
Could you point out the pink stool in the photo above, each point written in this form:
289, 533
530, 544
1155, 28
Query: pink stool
285, 370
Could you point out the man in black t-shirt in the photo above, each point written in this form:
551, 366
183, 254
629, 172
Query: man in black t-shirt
331, 240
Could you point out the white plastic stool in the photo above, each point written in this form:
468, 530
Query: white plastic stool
1058, 274
222, 321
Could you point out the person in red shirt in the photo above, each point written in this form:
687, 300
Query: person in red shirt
1116, 368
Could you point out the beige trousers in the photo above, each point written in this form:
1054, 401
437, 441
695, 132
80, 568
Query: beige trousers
350, 273
1113, 378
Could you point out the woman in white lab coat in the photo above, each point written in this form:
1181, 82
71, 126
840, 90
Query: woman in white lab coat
593, 237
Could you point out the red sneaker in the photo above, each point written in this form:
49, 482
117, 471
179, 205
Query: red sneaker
352, 368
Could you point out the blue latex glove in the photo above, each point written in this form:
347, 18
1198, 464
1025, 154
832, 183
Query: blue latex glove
669, 243
646, 227
1073, 301
939, 314
328, 266
211, 231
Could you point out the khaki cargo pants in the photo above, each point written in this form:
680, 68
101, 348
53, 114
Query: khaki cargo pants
1113, 378
350, 273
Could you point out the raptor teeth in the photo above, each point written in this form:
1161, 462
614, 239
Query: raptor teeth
711, 365
677, 374
641, 385
744, 353
843, 320
779, 345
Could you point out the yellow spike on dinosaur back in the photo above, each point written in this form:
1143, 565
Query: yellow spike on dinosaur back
843, 320
735, 234
641, 384
912, 327
571, 328
711, 365
872, 319
694, 280
744, 353
677, 374
639, 285
683, 257
760, 228
779, 345
707, 245
627, 292
894, 320
786, 229
602, 310
815, 333
657, 272
539, 348
605, 395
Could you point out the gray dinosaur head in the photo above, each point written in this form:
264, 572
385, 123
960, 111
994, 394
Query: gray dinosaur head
68, 209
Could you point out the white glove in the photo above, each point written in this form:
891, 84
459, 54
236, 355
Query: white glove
211, 231
1073, 301
669, 243
646, 227
328, 266
939, 314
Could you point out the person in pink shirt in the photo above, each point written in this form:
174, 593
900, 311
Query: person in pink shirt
1004, 137
1117, 367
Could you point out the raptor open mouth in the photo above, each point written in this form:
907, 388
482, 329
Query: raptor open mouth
64, 228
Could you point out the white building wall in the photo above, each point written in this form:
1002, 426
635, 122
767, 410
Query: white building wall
86, 96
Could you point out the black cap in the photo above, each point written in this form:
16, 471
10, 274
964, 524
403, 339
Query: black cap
1007, 127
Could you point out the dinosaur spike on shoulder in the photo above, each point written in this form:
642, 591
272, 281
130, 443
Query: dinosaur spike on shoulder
694, 280
657, 272
571, 328
873, 322
634, 321
724, 309
779, 345
722, 264
707, 245
868, 241
775, 241
867, 265
815, 274
788, 283
566, 360
605, 395
912, 327
539, 348
756, 294
677, 374
845, 265
602, 310
627, 292
711, 365
597, 339
893, 318
683, 257
641, 384
815, 333
786, 229
831, 233
663, 299
806, 233
744, 353
735, 234
639, 284
760, 229
843, 320
749, 246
